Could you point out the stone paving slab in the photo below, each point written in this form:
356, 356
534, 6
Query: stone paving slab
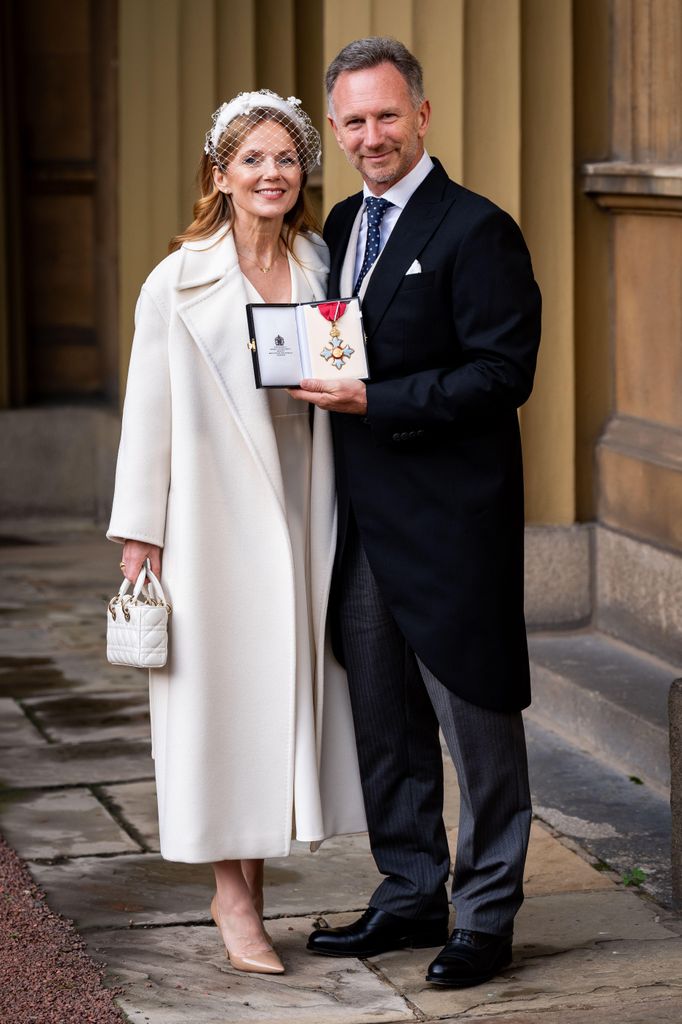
69, 572
339, 876
74, 764
654, 1009
547, 925
604, 975
15, 728
551, 924
549, 864
119, 891
136, 802
587, 950
53, 617
171, 975
181, 976
27, 641
90, 672
551, 867
40, 670
147, 890
617, 821
60, 823
93, 717
83, 565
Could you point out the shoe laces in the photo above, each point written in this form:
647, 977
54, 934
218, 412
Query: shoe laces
464, 935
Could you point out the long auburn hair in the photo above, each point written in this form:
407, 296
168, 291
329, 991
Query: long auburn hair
214, 209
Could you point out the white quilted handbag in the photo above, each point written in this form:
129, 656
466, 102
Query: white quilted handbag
137, 623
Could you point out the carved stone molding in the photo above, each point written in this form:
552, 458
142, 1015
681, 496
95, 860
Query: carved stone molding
620, 186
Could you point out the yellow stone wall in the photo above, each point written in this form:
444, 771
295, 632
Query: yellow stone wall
565, 112
519, 90
498, 73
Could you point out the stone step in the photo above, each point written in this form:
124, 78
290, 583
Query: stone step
604, 697
597, 807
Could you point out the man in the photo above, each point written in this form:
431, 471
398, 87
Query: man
428, 597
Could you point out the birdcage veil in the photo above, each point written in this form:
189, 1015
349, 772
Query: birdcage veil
232, 123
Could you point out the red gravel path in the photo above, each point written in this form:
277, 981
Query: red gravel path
46, 977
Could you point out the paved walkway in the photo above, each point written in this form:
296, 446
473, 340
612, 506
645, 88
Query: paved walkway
77, 801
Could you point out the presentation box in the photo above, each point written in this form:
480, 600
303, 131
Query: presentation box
296, 340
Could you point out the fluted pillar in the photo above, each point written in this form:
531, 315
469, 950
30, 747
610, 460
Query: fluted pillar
178, 60
639, 190
498, 73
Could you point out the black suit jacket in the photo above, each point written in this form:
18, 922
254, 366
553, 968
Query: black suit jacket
433, 473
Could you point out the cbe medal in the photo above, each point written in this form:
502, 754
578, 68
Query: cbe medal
335, 351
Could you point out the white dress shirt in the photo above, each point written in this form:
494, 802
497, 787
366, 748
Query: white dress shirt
398, 194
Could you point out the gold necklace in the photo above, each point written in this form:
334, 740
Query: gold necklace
263, 270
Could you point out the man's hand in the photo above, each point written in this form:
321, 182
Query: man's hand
337, 396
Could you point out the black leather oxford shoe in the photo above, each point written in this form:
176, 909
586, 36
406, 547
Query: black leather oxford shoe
377, 932
470, 958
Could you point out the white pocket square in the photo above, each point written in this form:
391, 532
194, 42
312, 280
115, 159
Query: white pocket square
414, 268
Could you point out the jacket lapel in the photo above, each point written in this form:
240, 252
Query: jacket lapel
418, 221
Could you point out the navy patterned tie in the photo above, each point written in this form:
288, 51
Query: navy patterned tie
376, 208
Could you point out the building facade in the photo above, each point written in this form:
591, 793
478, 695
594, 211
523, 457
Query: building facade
565, 112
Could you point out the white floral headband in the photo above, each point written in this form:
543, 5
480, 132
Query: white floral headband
308, 145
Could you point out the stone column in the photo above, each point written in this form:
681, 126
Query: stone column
637, 190
499, 74
640, 188
434, 30
178, 60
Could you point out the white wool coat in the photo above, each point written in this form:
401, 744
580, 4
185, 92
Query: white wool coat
198, 473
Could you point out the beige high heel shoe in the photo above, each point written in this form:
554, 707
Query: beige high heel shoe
266, 962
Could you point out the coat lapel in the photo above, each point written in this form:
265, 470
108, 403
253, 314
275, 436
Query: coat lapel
339, 238
216, 320
346, 281
212, 305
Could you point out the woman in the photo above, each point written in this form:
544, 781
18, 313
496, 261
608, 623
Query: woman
229, 482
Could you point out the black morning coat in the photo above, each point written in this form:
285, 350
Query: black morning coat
433, 473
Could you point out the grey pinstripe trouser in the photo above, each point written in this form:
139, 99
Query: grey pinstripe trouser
398, 705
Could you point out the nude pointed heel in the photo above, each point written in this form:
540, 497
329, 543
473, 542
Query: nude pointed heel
266, 962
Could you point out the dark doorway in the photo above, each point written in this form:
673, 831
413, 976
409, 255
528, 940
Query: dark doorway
59, 115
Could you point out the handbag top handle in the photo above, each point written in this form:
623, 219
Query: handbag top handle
155, 589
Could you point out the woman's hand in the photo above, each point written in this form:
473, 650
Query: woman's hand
134, 554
